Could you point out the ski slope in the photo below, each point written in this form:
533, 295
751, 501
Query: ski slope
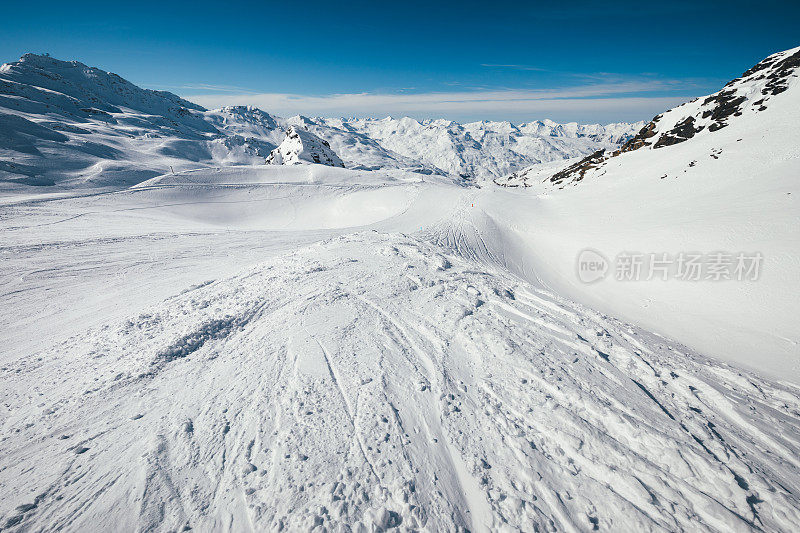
390, 346
291, 348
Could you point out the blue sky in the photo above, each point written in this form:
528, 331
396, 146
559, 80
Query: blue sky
498, 60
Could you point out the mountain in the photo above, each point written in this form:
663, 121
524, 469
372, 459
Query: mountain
250, 134
739, 105
46, 86
303, 147
358, 150
64, 122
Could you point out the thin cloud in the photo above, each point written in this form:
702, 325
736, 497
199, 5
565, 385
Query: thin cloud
514, 67
588, 104
601, 101
206, 87
606, 77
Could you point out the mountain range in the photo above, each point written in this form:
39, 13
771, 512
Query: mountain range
63, 123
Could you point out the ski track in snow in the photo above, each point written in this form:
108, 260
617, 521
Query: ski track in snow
375, 380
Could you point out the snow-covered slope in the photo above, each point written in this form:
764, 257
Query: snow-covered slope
204, 367
715, 175
63, 122
745, 97
307, 347
301, 147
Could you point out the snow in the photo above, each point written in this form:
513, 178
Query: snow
732, 189
355, 372
245, 346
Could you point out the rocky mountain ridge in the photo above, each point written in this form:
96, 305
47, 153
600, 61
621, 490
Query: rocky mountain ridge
739, 101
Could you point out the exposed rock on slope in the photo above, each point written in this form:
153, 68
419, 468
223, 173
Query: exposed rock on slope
303, 147
746, 96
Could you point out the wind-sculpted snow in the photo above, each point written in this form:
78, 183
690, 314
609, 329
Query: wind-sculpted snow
707, 176
372, 381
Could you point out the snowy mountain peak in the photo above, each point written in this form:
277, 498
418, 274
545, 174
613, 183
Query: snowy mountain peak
301, 119
69, 91
248, 122
248, 113
303, 147
65, 123
89, 86
749, 94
